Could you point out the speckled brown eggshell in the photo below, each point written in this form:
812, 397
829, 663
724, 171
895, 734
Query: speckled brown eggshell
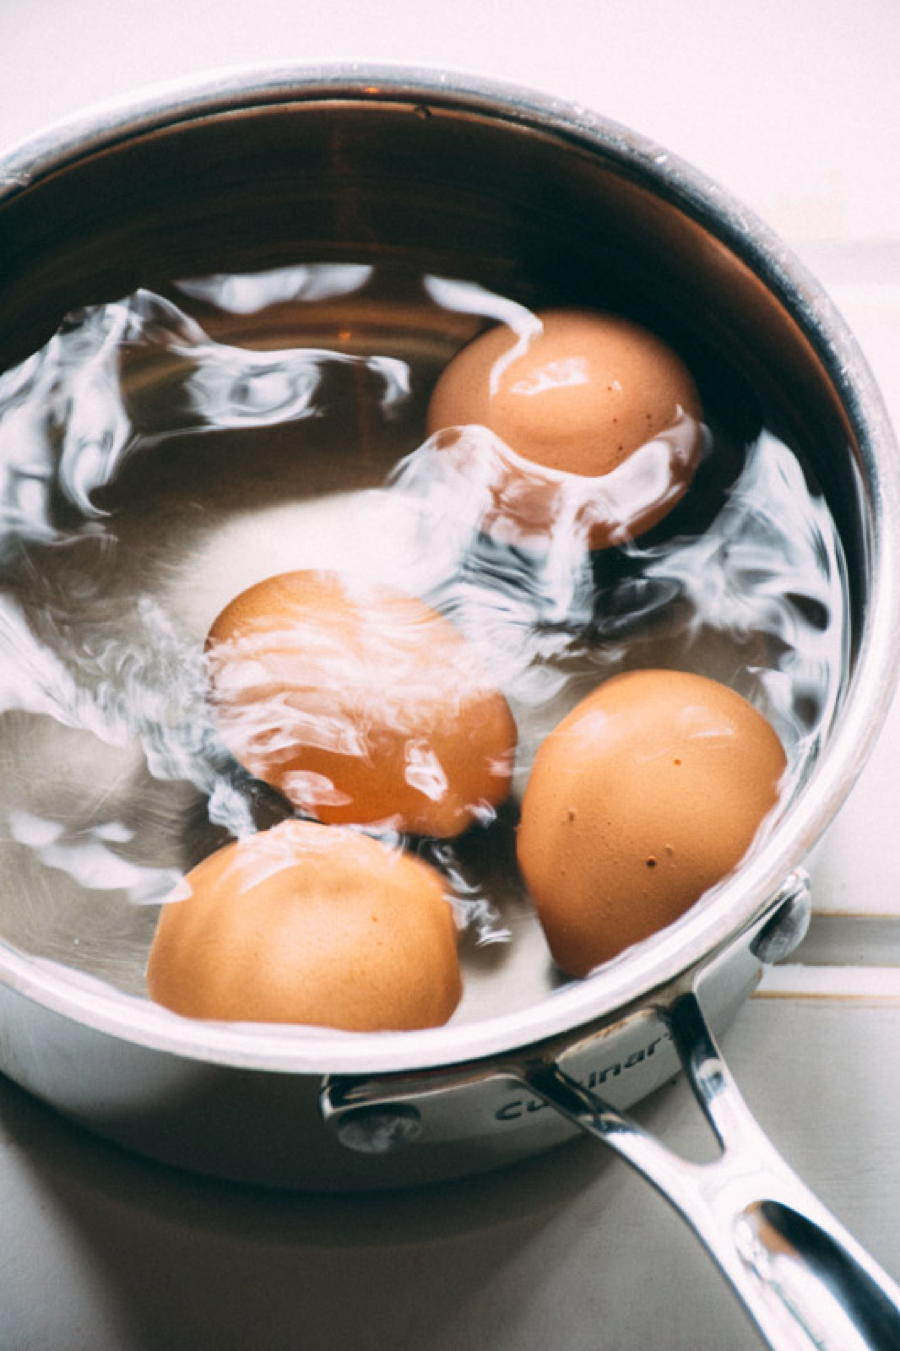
309, 924
646, 795
576, 396
360, 704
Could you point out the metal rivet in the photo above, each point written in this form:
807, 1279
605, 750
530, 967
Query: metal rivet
379, 1130
787, 927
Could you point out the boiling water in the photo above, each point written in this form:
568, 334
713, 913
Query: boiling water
162, 453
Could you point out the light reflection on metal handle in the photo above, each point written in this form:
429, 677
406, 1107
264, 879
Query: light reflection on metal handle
805, 1281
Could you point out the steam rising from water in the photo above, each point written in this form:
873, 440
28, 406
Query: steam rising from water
68, 426
765, 579
102, 619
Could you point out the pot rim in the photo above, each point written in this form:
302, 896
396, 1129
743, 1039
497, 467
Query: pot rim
737, 902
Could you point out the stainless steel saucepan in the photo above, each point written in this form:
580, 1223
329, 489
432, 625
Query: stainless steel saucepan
525, 195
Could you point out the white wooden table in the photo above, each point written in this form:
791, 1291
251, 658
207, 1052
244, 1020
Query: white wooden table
796, 109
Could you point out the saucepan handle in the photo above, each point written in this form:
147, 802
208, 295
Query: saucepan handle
803, 1279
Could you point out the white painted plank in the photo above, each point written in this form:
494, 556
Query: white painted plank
872, 985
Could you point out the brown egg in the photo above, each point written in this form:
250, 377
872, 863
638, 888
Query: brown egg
360, 704
648, 793
309, 924
602, 418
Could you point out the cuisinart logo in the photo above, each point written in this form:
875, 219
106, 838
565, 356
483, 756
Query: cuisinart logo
516, 1108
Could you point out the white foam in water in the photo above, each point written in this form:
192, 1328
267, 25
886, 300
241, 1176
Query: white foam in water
102, 629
